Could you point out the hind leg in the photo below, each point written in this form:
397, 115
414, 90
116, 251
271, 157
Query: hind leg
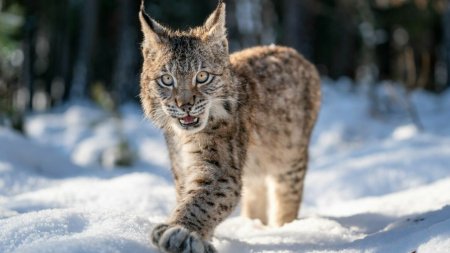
254, 198
285, 190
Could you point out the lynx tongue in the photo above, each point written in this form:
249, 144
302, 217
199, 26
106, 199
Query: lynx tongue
188, 120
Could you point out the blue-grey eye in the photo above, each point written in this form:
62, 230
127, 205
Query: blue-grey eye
166, 80
202, 77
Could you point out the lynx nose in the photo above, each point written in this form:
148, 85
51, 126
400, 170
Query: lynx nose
185, 103
186, 107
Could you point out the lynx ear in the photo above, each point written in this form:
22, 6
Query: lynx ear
154, 33
215, 24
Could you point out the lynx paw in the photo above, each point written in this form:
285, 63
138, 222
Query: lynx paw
177, 239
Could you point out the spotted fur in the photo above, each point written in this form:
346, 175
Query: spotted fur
255, 117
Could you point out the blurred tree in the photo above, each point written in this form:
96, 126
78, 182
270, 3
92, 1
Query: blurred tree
335, 46
298, 23
255, 22
86, 38
446, 28
409, 54
61, 53
125, 77
11, 61
29, 48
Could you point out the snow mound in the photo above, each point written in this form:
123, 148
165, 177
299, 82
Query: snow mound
16, 149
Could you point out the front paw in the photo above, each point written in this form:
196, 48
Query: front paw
177, 239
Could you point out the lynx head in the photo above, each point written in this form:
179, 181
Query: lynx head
184, 80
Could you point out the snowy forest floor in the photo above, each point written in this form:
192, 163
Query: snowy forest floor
375, 184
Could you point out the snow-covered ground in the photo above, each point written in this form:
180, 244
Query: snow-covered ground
374, 184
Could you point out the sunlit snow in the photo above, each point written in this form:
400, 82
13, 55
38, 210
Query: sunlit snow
375, 184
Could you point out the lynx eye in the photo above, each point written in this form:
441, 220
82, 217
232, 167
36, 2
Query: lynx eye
202, 77
166, 80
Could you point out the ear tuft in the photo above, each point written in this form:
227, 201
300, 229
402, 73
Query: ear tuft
154, 33
215, 24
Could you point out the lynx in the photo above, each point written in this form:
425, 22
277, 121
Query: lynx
237, 127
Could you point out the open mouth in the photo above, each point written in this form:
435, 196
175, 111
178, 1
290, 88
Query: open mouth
189, 121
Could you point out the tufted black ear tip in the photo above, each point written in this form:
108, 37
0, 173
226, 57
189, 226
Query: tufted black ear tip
221, 3
144, 13
142, 9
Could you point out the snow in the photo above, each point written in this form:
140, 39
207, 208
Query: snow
375, 184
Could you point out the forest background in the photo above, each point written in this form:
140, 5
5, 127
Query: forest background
54, 51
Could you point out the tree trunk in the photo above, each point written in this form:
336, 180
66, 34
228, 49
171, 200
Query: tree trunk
124, 76
80, 77
446, 27
29, 50
255, 22
297, 19
63, 70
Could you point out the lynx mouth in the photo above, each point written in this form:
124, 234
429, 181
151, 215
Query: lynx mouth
189, 121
